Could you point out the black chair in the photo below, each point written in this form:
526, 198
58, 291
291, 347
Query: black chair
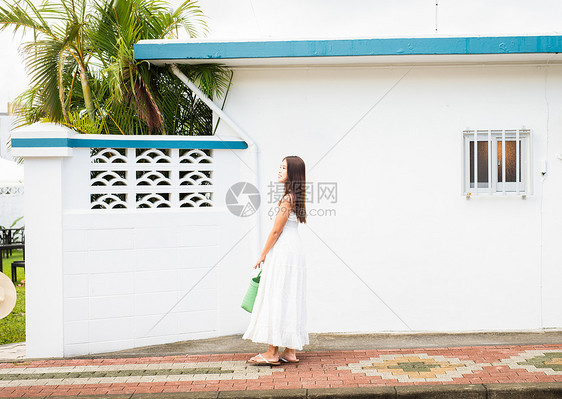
15, 265
11, 239
4, 234
3, 241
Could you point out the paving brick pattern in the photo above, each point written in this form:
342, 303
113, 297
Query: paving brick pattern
333, 369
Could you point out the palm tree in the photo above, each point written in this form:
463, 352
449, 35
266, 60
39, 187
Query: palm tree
115, 93
145, 91
57, 52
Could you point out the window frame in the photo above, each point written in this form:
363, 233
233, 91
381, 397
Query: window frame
495, 187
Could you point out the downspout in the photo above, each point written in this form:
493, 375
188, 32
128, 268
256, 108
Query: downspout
252, 147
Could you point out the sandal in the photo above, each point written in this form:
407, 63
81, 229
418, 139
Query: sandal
288, 361
264, 363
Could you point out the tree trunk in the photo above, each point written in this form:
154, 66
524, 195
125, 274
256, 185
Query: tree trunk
86, 90
61, 98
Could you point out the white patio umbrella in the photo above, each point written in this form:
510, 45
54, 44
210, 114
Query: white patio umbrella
11, 174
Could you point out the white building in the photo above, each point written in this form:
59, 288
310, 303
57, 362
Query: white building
399, 238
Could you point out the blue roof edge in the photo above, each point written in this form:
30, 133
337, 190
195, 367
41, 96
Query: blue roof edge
171, 50
183, 143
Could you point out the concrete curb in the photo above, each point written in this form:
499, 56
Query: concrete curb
547, 390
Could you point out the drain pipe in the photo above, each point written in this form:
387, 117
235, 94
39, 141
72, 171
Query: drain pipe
243, 135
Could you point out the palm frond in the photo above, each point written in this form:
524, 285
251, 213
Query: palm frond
42, 63
212, 79
29, 17
85, 122
29, 107
145, 104
192, 18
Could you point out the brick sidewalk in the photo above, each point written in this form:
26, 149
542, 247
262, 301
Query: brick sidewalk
328, 369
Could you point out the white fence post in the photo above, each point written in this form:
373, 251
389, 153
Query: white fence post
43, 235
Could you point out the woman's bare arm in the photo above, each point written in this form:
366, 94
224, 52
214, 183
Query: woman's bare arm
278, 225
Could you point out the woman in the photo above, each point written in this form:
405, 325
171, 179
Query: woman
279, 314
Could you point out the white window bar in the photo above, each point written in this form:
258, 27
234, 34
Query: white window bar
490, 188
527, 176
517, 162
475, 162
503, 162
466, 160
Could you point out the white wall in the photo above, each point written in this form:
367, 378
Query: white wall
149, 276
253, 19
439, 261
124, 271
551, 215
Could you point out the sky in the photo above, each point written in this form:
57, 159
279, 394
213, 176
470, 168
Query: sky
13, 79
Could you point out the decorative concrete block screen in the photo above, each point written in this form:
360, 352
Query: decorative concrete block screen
150, 178
124, 239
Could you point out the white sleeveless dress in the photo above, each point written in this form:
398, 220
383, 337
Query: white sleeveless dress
279, 314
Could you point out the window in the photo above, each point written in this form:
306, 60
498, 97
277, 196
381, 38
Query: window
496, 162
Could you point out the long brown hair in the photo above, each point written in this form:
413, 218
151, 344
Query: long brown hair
296, 184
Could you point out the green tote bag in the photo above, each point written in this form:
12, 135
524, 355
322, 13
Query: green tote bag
250, 298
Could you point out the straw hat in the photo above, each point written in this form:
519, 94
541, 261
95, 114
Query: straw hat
7, 296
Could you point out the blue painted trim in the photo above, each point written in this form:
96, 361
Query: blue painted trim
348, 48
129, 143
